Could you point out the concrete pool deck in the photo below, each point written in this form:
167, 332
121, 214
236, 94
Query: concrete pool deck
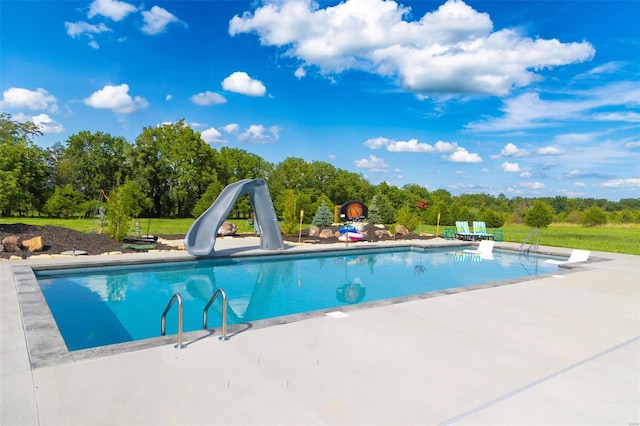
559, 349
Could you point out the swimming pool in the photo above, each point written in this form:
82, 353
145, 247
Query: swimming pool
100, 306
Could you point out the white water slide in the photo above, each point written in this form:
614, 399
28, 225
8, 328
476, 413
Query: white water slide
201, 237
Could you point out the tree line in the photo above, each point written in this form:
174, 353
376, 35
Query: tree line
169, 171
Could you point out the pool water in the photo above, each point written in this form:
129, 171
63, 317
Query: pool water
105, 305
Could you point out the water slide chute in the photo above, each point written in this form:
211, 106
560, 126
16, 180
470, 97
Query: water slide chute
201, 237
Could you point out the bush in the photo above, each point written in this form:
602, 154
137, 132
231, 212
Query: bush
289, 214
119, 223
323, 216
407, 217
64, 202
540, 215
594, 216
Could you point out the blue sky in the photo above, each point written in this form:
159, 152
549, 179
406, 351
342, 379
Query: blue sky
524, 98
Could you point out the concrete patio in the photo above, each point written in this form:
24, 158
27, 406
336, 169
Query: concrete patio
560, 349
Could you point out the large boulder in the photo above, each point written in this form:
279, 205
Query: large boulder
326, 233
33, 244
227, 228
402, 230
382, 233
11, 244
314, 231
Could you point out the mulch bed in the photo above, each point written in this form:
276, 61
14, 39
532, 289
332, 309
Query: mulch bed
57, 239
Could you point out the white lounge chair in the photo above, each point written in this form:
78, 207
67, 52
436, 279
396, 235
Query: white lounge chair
484, 250
576, 256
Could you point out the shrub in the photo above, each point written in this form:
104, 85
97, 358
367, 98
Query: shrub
593, 216
64, 202
323, 216
407, 217
540, 215
289, 214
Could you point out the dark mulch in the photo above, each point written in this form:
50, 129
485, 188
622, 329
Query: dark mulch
370, 235
57, 239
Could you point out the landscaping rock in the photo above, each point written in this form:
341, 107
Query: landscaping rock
227, 228
381, 233
11, 244
314, 231
33, 244
326, 233
402, 230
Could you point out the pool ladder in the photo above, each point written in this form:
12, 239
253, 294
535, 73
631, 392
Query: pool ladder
178, 298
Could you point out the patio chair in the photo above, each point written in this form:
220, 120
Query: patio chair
484, 250
576, 256
462, 230
480, 231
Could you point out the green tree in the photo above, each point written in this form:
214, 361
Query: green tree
380, 210
64, 202
594, 216
208, 198
93, 161
233, 164
176, 166
540, 215
24, 174
323, 216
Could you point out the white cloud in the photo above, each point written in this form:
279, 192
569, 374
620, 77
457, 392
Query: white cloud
530, 111
622, 183
633, 144
549, 150
76, 29
231, 128
510, 167
46, 124
208, 98
257, 133
579, 184
113, 9
526, 175
300, 72
168, 97
156, 20
510, 150
461, 155
533, 185
211, 135
410, 146
39, 99
116, 98
240, 82
453, 49
623, 116
372, 164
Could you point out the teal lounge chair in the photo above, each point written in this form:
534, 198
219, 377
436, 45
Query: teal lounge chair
462, 230
480, 231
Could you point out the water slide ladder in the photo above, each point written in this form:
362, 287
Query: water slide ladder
178, 298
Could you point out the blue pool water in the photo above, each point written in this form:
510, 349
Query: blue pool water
105, 305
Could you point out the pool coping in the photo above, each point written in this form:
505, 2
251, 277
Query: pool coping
46, 347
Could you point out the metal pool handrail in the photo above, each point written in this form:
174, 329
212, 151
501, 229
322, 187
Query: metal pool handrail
163, 320
224, 312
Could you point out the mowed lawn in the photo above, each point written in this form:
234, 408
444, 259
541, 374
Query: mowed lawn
609, 238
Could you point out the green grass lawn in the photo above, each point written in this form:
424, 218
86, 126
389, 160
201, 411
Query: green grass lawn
610, 238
